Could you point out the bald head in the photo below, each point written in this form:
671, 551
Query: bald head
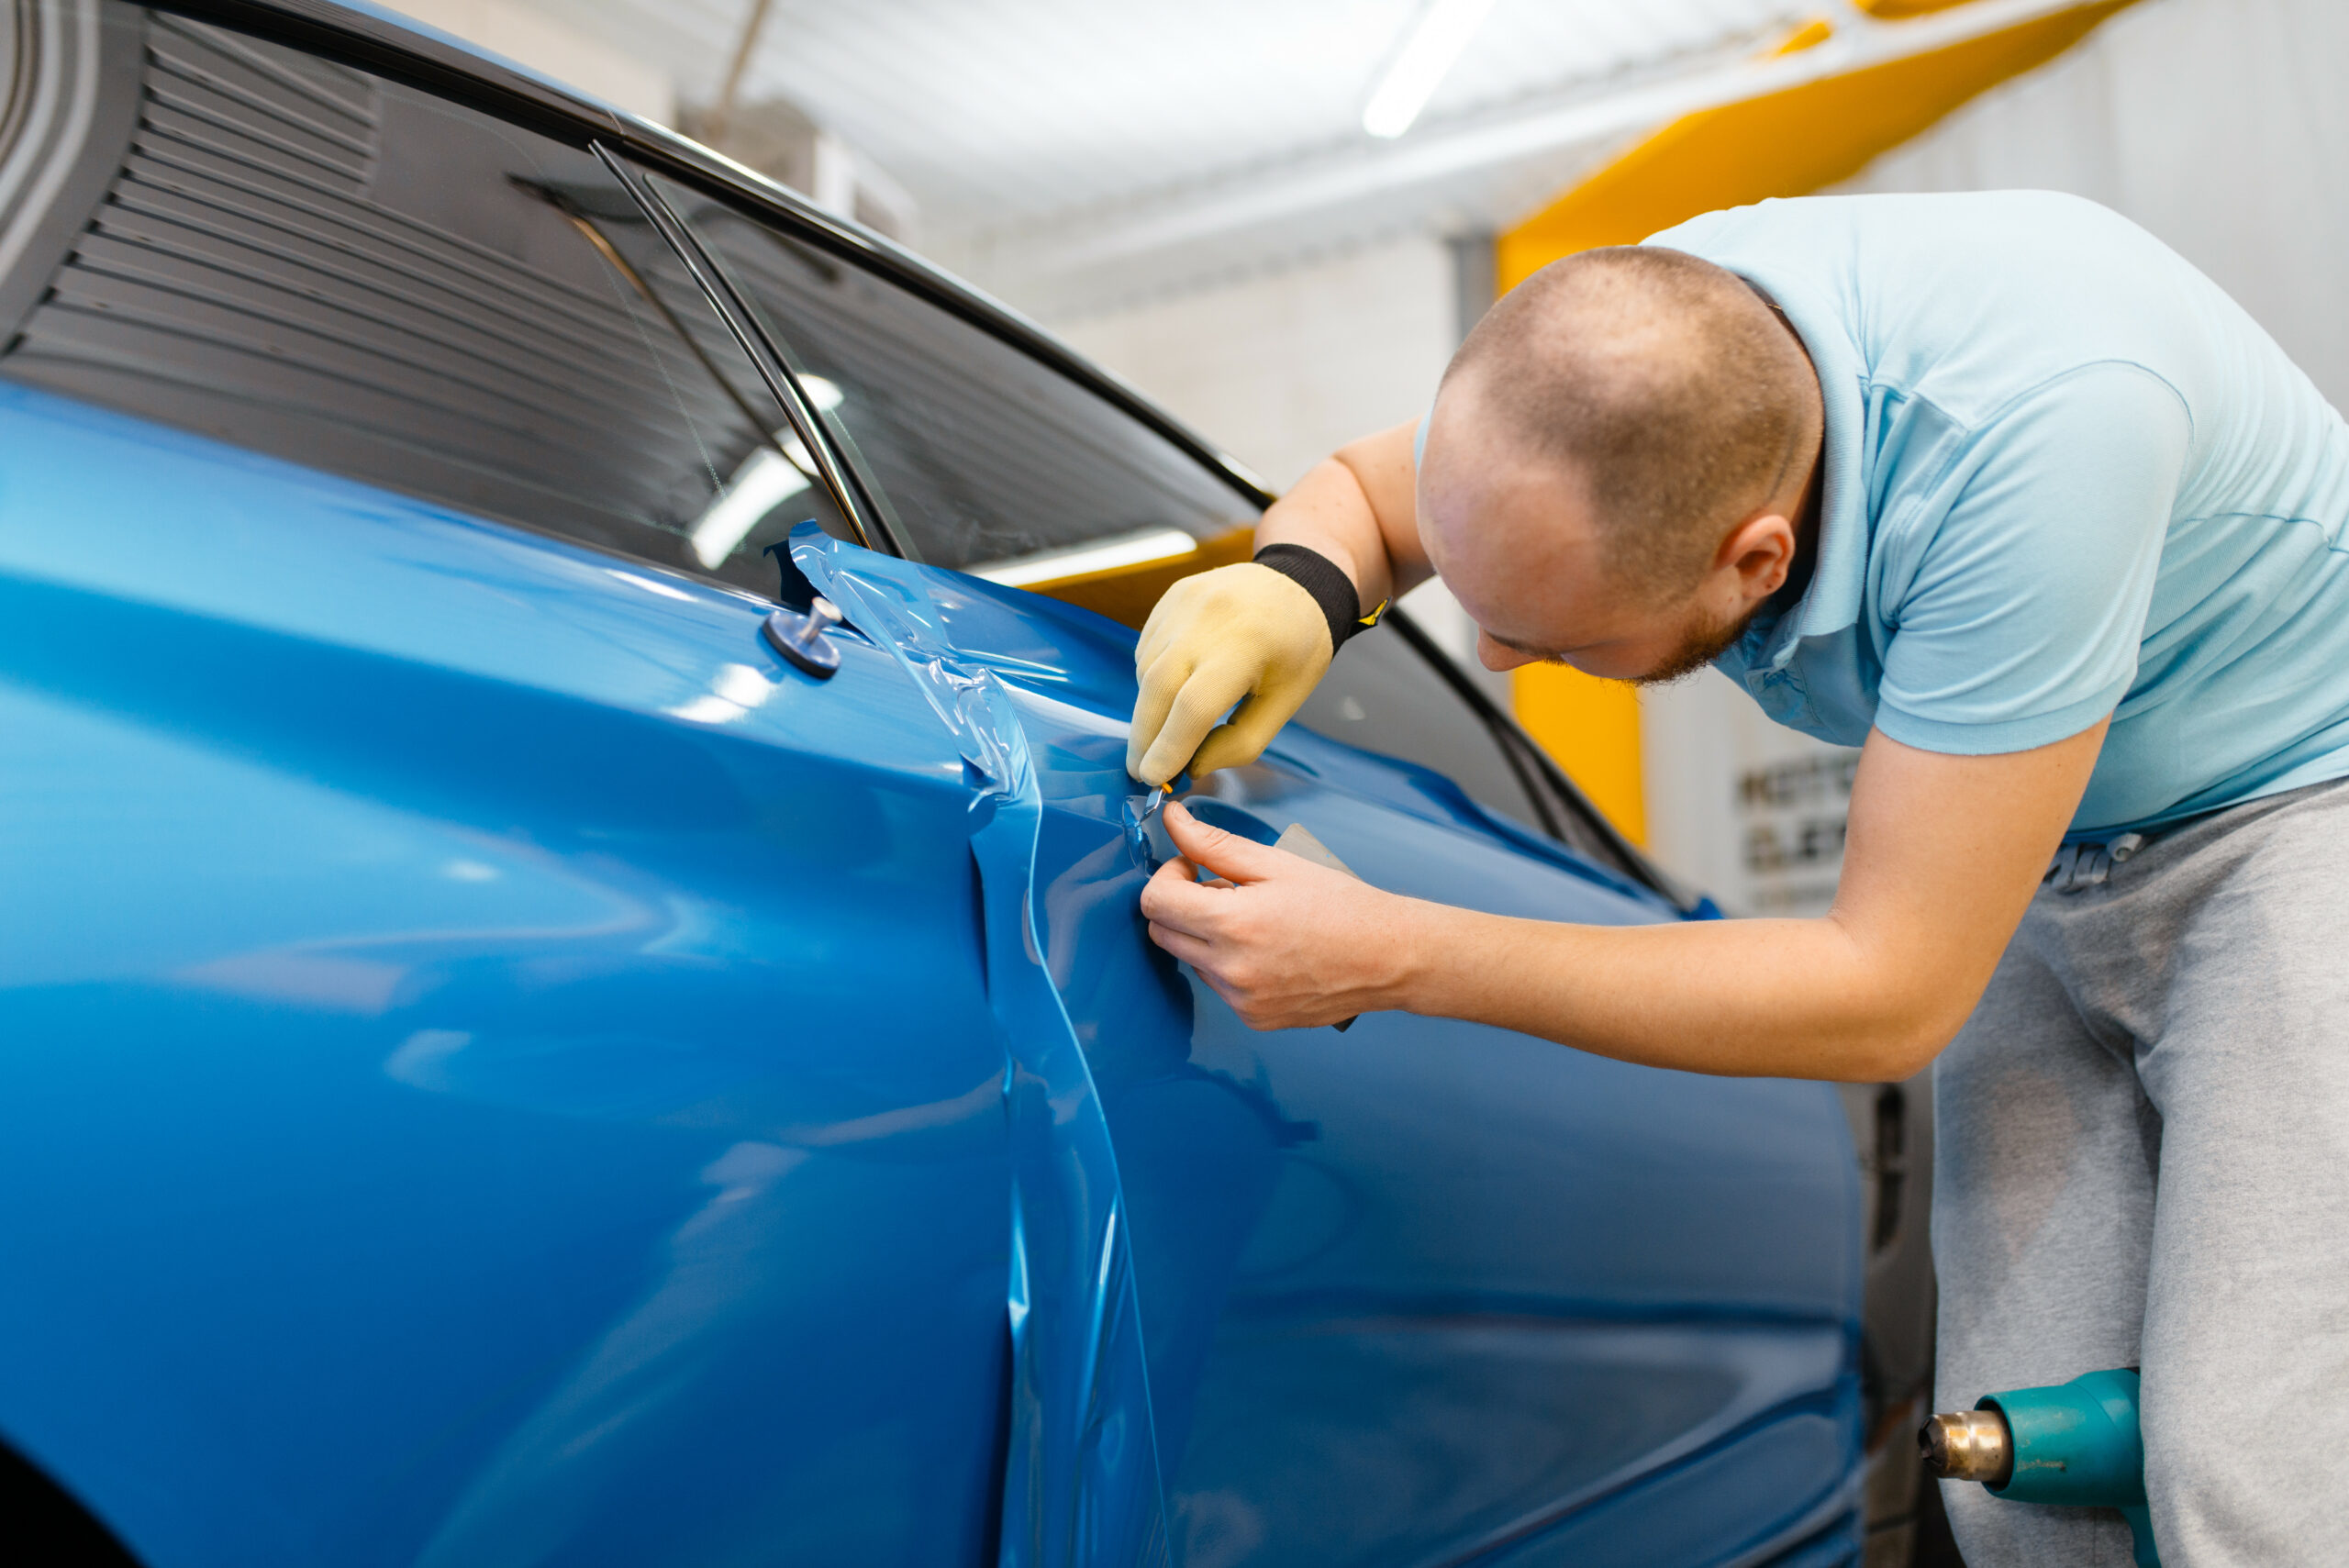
1661, 387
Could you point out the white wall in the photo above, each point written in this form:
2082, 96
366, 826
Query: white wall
2221, 126
1749, 811
1282, 368
527, 37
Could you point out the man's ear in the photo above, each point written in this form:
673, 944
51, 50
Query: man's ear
1760, 554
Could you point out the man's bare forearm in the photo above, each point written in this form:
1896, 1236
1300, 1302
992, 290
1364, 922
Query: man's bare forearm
1765, 998
1943, 855
1326, 511
1359, 508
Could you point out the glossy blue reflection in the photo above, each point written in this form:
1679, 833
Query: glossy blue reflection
497, 1066
504, 1069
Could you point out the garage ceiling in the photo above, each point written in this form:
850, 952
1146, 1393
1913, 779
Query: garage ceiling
1070, 155
1008, 119
1003, 112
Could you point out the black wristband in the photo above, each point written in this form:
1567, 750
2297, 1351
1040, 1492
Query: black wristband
1328, 583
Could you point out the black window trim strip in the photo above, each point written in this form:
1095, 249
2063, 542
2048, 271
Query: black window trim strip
850, 492
773, 352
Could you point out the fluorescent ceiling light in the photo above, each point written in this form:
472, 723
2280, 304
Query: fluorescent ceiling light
1442, 31
764, 482
1136, 548
824, 393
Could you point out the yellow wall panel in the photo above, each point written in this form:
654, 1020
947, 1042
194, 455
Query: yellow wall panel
1592, 727
1892, 10
1129, 593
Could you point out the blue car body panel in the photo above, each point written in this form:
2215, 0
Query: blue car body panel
1425, 1290
497, 1067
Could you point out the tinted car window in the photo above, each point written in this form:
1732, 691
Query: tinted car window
984, 454
989, 456
1388, 692
317, 263
1381, 695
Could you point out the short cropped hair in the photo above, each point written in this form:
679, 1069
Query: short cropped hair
1664, 382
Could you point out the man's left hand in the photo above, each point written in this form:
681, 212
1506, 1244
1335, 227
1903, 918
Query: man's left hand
1288, 944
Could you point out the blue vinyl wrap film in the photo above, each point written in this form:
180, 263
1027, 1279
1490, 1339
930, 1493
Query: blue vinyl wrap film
1081, 1472
496, 1067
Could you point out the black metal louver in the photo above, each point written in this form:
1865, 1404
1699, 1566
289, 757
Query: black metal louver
308, 261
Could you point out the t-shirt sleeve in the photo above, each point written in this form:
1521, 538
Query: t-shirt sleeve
2017, 617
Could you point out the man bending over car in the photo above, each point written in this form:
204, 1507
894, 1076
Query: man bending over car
2001, 489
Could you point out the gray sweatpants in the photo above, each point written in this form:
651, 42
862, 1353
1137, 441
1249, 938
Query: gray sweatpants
2141, 1159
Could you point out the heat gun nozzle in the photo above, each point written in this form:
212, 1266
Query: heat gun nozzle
1968, 1445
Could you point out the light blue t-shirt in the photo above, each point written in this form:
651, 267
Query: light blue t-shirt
2067, 476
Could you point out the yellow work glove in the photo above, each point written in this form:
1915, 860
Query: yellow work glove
1238, 631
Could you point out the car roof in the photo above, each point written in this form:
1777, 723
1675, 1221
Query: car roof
383, 41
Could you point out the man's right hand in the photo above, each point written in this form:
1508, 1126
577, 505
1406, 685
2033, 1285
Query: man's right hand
1243, 631
1249, 631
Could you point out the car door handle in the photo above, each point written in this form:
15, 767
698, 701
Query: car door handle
801, 638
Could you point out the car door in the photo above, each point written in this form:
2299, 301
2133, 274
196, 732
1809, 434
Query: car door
499, 1066
1418, 1292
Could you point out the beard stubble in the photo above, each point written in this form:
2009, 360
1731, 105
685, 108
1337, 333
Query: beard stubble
1705, 642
